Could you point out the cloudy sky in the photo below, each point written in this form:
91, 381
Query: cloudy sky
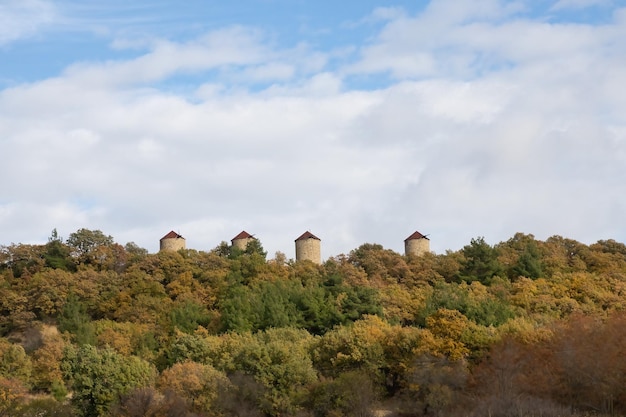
360, 121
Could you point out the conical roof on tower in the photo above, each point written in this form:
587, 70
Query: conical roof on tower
416, 235
172, 235
242, 235
307, 235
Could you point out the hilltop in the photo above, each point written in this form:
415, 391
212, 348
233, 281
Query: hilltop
527, 327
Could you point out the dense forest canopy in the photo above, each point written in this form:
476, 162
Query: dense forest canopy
89, 327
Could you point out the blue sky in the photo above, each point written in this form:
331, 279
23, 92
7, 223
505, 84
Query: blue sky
359, 121
85, 32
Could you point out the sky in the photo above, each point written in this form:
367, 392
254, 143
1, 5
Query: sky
359, 121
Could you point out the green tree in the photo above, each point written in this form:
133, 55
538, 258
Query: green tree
474, 301
521, 256
280, 360
352, 394
529, 263
317, 307
75, 320
186, 348
254, 246
98, 377
135, 251
57, 253
188, 315
480, 262
239, 309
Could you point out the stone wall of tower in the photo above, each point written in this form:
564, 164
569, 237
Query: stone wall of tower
172, 244
416, 247
242, 243
309, 249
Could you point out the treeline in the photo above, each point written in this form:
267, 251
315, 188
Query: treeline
89, 327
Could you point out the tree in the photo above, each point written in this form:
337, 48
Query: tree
563, 255
42, 407
279, 359
318, 310
23, 260
135, 251
499, 380
15, 311
137, 297
239, 309
382, 266
476, 302
359, 345
588, 363
188, 315
46, 363
186, 348
12, 393
255, 246
58, 254
197, 383
148, 402
85, 244
480, 263
350, 394
243, 396
140, 402
449, 326
14, 363
98, 377
75, 320
434, 385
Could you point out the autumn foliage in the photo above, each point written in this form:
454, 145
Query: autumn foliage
89, 327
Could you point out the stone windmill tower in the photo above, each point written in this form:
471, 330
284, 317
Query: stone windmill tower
417, 244
241, 240
172, 242
308, 247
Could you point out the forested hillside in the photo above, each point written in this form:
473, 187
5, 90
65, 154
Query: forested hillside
524, 327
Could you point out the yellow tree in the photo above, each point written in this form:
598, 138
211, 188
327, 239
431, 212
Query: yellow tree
46, 362
12, 395
448, 326
14, 363
197, 383
402, 305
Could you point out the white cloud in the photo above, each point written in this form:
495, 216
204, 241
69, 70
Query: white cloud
579, 4
387, 13
268, 72
233, 46
494, 124
24, 18
467, 42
